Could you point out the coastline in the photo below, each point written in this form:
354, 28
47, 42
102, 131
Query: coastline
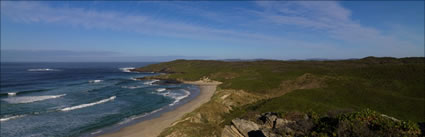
153, 127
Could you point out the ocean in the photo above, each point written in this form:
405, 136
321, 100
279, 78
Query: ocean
80, 99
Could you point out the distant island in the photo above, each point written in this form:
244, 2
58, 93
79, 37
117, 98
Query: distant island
358, 97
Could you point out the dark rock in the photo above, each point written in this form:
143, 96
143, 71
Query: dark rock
256, 133
270, 133
268, 119
422, 128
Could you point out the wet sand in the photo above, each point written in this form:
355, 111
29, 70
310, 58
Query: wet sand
153, 127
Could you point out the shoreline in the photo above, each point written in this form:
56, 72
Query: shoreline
153, 127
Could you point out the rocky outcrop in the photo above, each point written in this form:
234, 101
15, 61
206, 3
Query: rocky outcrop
231, 131
269, 119
295, 124
245, 126
268, 125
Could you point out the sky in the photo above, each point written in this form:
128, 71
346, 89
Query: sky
139, 31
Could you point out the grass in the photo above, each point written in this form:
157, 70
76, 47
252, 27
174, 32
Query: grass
388, 85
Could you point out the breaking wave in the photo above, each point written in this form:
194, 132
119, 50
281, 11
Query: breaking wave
161, 89
11, 117
96, 132
88, 105
42, 69
95, 81
179, 98
30, 99
127, 69
22, 92
11, 94
150, 82
176, 96
138, 116
131, 87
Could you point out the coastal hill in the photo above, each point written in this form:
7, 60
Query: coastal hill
381, 94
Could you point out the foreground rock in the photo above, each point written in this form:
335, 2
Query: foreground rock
245, 127
357, 124
231, 131
266, 126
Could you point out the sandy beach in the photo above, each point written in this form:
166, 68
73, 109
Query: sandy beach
153, 127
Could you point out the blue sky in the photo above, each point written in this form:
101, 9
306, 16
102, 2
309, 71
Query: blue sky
162, 31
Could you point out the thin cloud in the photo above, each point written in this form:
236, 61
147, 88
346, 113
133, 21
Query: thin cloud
328, 17
35, 12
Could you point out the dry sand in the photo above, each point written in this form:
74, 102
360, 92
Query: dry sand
153, 127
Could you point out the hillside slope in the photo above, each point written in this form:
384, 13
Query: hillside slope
390, 86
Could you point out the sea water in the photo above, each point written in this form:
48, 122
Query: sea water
75, 99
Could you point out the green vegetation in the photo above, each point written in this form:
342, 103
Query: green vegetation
371, 123
365, 123
394, 87
388, 85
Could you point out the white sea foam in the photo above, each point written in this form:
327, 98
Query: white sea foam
127, 69
88, 105
175, 95
131, 87
96, 132
138, 116
29, 99
11, 94
42, 69
161, 89
150, 82
179, 98
11, 117
95, 81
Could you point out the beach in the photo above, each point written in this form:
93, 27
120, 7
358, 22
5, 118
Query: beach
153, 127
